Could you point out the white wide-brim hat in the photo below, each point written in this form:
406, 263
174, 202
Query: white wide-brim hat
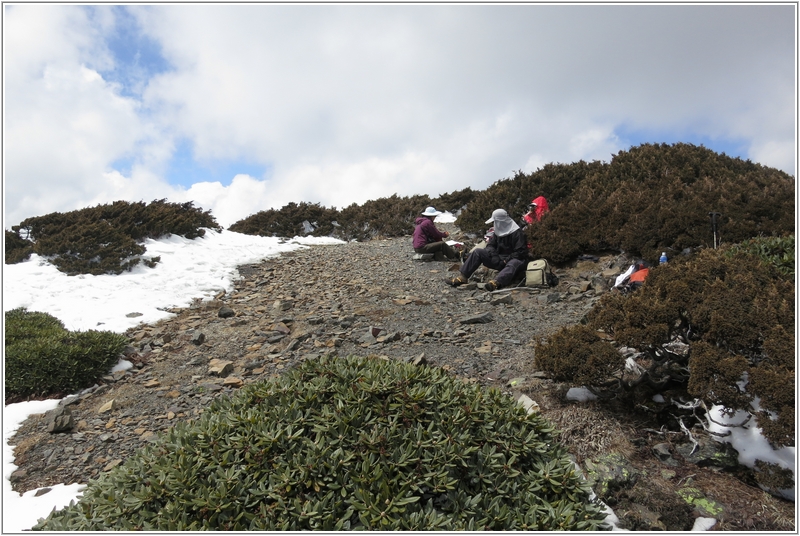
430, 211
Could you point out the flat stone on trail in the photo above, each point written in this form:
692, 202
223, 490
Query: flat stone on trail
218, 367
550, 297
60, 419
280, 327
283, 305
112, 464
233, 381
416, 360
483, 318
507, 299
108, 406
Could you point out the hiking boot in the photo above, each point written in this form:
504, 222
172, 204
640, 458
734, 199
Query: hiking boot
456, 280
492, 285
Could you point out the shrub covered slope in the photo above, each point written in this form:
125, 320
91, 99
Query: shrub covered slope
106, 238
346, 443
387, 216
649, 199
716, 328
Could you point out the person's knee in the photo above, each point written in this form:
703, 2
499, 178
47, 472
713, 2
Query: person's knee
481, 254
516, 264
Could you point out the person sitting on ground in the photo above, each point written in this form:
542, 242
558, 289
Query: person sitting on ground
536, 209
507, 251
428, 239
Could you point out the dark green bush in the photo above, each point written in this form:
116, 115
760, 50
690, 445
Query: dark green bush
734, 315
106, 238
346, 444
454, 201
43, 359
288, 221
649, 199
384, 217
17, 248
554, 181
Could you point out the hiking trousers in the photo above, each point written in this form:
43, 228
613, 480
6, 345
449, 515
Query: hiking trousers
440, 250
507, 271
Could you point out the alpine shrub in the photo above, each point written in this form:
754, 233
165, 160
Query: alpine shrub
455, 201
716, 327
346, 444
649, 199
17, 248
384, 217
290, 221
106, 239
42, 358
555, 181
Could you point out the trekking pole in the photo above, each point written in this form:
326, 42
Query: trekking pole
714, 217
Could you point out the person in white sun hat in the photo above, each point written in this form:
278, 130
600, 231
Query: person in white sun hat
428, 239
507, 251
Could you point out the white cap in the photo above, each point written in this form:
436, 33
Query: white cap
499, 213
430, 211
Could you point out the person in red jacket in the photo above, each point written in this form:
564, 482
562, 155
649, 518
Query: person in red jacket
536, 210
428, 239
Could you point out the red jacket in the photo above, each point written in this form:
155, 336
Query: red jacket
541, 208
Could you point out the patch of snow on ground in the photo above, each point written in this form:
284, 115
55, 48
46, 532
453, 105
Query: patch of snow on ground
751, 443
445, 217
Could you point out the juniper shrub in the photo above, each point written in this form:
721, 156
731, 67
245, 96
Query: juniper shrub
105, 238
384, 217
734, 310
649, 199
18, 249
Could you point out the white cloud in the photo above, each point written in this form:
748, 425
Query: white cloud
63, 123
344, 103
244, 196
782, 153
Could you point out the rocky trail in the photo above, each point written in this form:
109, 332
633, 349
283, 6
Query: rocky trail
371, 298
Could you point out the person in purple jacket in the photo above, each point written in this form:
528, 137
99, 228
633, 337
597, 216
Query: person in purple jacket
428, 239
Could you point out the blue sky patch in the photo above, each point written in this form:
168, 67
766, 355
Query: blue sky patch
137, 57
184, 170
634, 137
124, 165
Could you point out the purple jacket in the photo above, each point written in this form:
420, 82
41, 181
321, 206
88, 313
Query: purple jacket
425, 232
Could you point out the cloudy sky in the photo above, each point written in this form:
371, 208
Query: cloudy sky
248, 107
